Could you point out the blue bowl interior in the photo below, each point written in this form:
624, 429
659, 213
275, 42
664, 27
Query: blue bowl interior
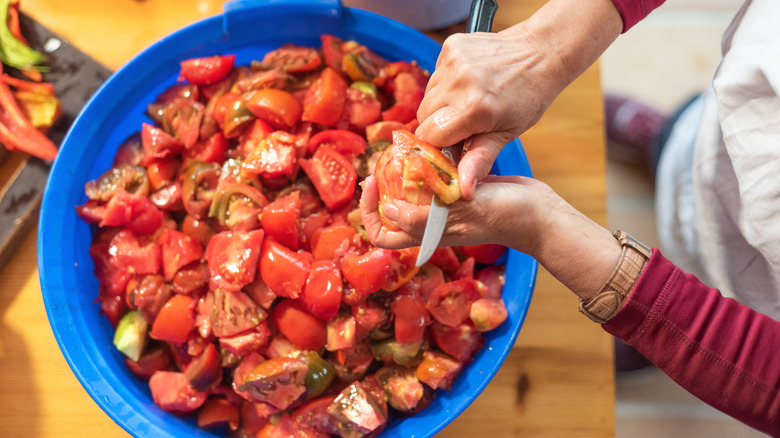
247, 29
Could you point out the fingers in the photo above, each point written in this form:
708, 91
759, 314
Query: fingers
478, 161
378, 233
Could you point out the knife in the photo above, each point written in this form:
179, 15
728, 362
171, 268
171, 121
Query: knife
480, 20
75, 77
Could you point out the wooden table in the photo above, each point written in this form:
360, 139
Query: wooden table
557, 382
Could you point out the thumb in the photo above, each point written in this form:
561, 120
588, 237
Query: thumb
478, 161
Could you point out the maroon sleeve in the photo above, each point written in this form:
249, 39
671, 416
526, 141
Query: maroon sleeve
633, 11
723, 352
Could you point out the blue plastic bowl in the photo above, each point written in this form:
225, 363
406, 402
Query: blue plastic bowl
248, 29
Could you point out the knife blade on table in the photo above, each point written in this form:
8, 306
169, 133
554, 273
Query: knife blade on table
75, 77
480, 20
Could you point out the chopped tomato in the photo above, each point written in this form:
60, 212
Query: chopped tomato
206, 70
232, 258
332, 242
253, 136
382, 131
171, 391
175, 321
346, 143
449, 303
152, 360
302, 328
274, 156
325, 98
130, 252
445, 258
402, 268
407, 94
135, 212
233, 312
332, 175
438, 370
360, 109
487, 314
280, 219
341, 333
211, 150
313, 414
357, 410
158, 144
292, 59
277, 107
178, 249
247, 342
488, 253
411, 318
460, 342
285, 271
367, 272
219, 412
321, 295
493, 278
331, 51
278, 381
205, 371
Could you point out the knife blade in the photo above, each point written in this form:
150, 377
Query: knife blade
480, 20
75, 77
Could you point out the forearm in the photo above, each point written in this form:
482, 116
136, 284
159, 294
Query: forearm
721, 351
572, 35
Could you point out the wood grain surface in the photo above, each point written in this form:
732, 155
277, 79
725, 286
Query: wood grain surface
557, 382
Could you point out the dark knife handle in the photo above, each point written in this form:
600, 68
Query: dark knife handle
481, 16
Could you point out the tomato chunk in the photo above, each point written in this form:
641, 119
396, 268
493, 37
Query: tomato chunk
285, 271
232, 257
206, 70
175, 321
333, 176
299, 326
325, 98
171, 391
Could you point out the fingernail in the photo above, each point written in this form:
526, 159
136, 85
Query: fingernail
390, 211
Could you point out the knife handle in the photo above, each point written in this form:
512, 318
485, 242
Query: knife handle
481, 16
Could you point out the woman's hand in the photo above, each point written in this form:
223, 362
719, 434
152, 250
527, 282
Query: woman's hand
504, 210
515, 211
487, 87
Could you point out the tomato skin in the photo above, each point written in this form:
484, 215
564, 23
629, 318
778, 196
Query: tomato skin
488, 253
321, 295
171, 391
324, 101
232, 258
207, 70
331, 51
277, 107
285, 271
175, 321
368, 272
152, 360
303, 329
344, 142
178, 250
333, 176
280, 219
438, 370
